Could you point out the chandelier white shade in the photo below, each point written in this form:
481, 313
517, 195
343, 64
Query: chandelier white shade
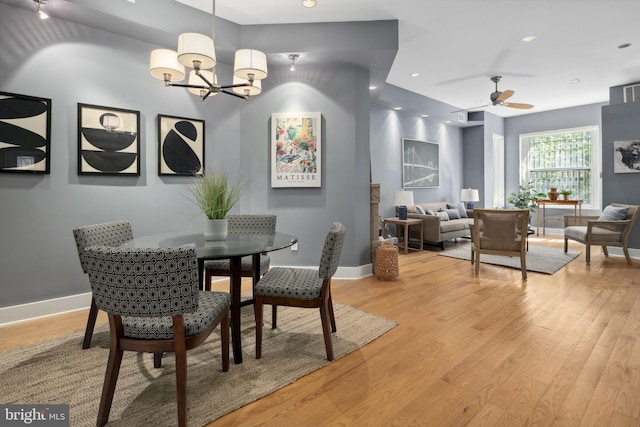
197, 51
250, 64
194, 47
165, 62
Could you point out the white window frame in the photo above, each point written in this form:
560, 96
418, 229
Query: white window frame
596, 161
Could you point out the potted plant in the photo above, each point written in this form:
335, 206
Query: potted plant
525, 198
215, 194
566, 193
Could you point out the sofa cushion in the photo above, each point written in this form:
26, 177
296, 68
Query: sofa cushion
461, 209
454, 225
614, 213
443, 215
453, 213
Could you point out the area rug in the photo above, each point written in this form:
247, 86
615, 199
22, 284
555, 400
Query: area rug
58, 371
541, 259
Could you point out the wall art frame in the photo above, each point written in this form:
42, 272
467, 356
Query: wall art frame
420, 164
108, 141
181, 146
626, 156
296, 150
25, 134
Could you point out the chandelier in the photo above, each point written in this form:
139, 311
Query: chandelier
197, 51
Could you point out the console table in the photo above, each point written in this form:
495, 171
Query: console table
577, 210
405, 223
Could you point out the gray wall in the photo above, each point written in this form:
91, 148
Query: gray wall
72, 63
474, 167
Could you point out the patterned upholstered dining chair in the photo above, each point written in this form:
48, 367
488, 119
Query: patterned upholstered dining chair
301, 287
243, 224
106, 234
154, 304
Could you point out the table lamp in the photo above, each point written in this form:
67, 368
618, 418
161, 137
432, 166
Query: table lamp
402, 199
469, 195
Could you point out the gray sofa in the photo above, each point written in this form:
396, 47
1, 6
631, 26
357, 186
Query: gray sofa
436, 230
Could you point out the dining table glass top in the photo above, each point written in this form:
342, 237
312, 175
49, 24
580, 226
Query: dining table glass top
234, 245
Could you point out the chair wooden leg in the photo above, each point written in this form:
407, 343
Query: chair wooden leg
181, 369
207, 280
332, 318
588, 253
328, 343
626, 254
274, 316
477, 266
605, 251
224, 338
157, 360
523, 265
110, 380
258, 308
91, 323
566, 245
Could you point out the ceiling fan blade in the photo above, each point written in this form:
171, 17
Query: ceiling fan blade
505, 95
518, 105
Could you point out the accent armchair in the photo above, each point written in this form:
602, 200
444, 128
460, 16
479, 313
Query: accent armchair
154, 305
612, 228
500, 232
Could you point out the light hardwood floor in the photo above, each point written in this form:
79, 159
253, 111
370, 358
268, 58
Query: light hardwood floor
560, 349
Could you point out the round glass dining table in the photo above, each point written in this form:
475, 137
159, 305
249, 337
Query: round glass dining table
233, 248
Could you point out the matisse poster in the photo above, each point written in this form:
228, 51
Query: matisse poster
296, 150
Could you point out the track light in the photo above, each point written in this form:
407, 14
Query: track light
293, 58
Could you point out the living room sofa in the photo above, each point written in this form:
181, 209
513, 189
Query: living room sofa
437, 230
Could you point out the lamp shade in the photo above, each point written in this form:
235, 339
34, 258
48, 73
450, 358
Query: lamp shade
196, 47
250, 61
469, 195
403, 198
195, 80
255, 89
165, 61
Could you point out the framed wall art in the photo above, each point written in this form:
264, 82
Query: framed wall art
420, 164
180, 146
296, 140
108, 141
626, 156
25, 133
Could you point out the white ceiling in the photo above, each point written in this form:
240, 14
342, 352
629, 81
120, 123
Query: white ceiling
457, 45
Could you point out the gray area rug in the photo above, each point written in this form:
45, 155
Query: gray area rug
541, 259
59, 371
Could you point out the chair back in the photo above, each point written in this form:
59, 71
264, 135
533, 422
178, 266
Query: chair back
107, 234
331, 251
143, 282
632, 214
252, 224
500, 229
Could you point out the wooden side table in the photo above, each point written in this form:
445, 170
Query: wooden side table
577, 210
405, 223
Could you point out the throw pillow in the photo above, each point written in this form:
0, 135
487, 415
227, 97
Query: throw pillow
420, 210
614, 213
429, 212
453, 213
444, 216
462, 212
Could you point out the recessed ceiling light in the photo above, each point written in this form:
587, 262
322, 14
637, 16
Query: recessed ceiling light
574, 81
447, 121
397, 108
414, 74
624, 45
424, 116
528, 38
373, 87
478, 101
309, 3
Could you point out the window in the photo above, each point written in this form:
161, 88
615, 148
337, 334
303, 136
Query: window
568, 159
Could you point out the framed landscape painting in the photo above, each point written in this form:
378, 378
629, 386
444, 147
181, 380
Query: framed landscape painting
108, 141
25, 133
296, 140
420, 164
180, 146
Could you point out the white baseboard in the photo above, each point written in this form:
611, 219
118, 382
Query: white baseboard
34, 310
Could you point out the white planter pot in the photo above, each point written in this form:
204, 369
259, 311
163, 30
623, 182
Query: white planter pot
215, 229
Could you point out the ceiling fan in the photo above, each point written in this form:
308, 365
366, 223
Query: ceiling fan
498, 98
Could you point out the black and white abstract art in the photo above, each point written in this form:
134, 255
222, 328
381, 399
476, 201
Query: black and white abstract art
180, 146
25, 133
626, 156
108, 141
